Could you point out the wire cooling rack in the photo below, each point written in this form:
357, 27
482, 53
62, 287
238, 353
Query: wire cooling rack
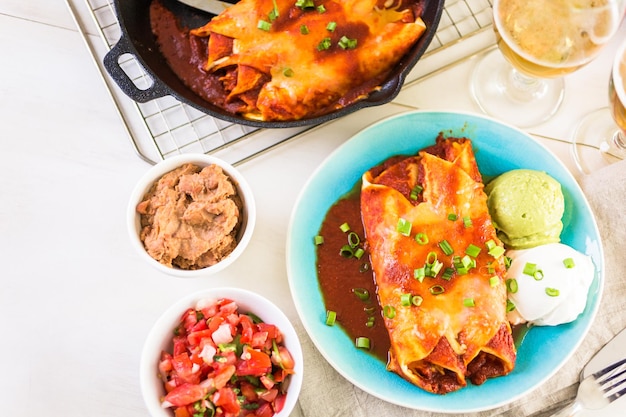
165, 127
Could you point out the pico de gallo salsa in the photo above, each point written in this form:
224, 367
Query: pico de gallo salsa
225, 363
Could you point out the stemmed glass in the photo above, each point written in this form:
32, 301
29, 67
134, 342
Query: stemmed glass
604, 130
539, 42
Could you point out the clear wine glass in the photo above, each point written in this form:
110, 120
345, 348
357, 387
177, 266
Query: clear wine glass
539, 42
604, 130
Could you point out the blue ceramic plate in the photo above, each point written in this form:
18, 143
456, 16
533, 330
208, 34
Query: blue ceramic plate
498, 148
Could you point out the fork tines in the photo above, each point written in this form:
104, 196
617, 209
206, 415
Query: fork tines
612, 380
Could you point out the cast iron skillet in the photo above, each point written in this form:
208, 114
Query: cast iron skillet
137, 39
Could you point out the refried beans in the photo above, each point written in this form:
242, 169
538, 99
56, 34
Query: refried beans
190, 217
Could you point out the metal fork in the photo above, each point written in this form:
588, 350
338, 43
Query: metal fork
598, 390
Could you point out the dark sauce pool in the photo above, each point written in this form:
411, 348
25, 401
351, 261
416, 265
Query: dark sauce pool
339, 277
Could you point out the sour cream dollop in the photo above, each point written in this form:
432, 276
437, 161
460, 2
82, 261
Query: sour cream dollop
556, 294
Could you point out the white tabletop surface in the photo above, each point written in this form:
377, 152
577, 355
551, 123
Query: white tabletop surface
76, 302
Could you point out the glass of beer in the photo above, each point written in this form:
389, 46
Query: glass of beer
600, 137
539, 42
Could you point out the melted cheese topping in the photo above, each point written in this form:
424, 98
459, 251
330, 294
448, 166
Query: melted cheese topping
416, 332
304, 79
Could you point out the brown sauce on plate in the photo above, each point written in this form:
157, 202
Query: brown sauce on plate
341, 279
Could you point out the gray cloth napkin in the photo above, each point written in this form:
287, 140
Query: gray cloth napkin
325, 393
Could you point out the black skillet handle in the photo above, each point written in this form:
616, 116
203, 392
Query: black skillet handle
111, 63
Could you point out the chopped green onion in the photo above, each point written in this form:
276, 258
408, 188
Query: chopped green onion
490, 244
511, 285
416, 300
370, 321
404, 227
362, 293
264, 25
469, 302
274, 13
510, 306
288, 72
353, 239
305, 4
421, 238
346, 251
331, 318
552, 292
347, 43
507, 262
452, 216
415, 191
494, 280
467, 222
447, 274
345, 227
468, 262
538, 275
431, 258
321, 8
389, 312
331, 26
364, 266
496, 251
405, 300
446, 247
472, 250
461, 270
324, 44
358, 253
530, 269
318, 239
435, 268
436, 290
363, 343
569, 263
304, 29
419, 274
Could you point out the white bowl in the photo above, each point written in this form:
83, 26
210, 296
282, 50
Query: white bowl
160, 338
202, 160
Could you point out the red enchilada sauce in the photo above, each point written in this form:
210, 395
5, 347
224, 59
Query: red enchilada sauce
342, 279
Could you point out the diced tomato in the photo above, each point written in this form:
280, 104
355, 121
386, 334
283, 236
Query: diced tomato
185, 369
180, 345
194, 338
265, 410
190, 318
248, 390
256, 363
283, 358
223, 376
268, 383
182, 412
228, 306
246, 329
269, 395
165, 364
215, 322
259, 339
270, 329
227, 399
200, 325
279, 403
184, 394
